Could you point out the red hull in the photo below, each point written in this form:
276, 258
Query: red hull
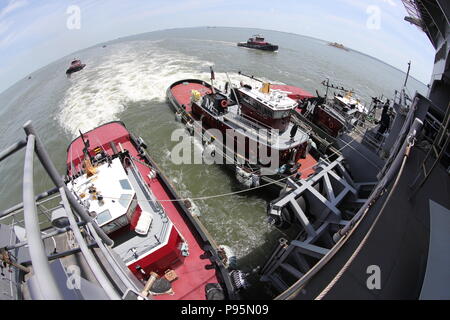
180, 94
191, 270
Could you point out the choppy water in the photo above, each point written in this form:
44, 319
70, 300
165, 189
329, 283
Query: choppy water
127, 81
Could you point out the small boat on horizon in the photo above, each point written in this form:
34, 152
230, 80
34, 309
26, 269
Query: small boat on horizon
258, 42
338, 45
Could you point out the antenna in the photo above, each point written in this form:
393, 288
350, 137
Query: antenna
213, 77
251, 77
407, 73
86, 145
327, 84
232, 89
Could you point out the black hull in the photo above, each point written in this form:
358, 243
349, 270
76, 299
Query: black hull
76, 69
268, 47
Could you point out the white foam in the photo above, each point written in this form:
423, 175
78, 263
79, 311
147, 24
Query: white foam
136, 71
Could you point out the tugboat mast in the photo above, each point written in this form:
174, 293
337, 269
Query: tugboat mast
407, 74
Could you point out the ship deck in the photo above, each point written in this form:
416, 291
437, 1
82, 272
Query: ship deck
192, 273
182, 95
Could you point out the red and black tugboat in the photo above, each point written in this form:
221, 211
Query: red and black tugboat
154, 233
332, 115
255, 121
75, 66
258, 42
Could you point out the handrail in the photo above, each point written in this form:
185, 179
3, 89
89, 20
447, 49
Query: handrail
15, 209
46, 282
56, 178
344, 234
90, 259
121, 273
12, 149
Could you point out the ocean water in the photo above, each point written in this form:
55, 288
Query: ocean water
127, 81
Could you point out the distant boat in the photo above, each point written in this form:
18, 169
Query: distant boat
104, 46
258, 42
75, 66
338, 45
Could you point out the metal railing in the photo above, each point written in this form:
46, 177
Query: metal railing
47, 284
36, 215
342, 236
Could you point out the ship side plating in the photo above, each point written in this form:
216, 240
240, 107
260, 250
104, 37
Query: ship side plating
401, 233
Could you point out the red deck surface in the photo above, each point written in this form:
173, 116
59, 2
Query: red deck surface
296, 93
182, 93
307, 165
192, 275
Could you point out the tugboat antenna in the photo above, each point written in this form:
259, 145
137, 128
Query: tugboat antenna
213, 77
86, 145
251, 77
327, 84
407, 74
232, 89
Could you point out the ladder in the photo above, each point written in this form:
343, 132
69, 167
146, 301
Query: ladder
437, 149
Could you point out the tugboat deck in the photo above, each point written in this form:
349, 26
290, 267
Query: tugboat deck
182, 94
192, 273
183, 91
243, 125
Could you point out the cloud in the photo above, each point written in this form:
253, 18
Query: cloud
12, 6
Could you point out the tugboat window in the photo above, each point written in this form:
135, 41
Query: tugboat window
125, 184
103, 217
125, 200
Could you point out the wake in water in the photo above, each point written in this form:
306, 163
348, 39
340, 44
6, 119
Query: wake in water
137, 71
142, 71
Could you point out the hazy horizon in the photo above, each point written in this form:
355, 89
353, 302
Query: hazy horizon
124, 38
35, 33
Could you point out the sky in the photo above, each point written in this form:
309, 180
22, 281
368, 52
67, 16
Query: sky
34, 33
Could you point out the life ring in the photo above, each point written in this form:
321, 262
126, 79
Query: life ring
224, 103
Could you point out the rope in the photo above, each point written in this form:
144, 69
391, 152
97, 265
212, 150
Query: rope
338, 276
242, 191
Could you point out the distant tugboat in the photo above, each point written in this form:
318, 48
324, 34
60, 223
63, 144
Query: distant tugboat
75, 66
338, 45
244, 114
334, 114
258, 42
